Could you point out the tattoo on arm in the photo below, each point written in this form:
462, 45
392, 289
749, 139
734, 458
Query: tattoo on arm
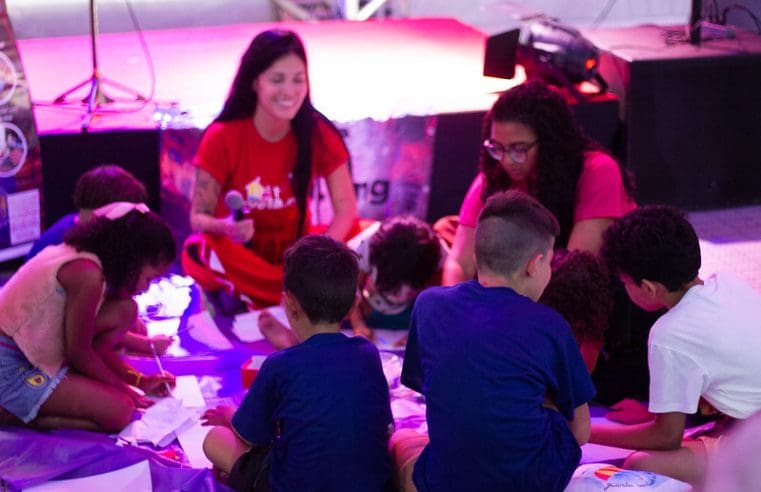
205, 193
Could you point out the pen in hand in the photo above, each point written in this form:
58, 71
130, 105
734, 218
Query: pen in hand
161, 368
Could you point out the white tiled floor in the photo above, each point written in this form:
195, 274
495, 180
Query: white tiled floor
730, 240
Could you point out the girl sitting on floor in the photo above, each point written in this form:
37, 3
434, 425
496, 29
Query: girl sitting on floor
63, 313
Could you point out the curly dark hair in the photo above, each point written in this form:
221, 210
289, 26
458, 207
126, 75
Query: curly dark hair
125, 245
106, 184
265, 49
562, 143
322, 274
656, 243
405, 251
580, 291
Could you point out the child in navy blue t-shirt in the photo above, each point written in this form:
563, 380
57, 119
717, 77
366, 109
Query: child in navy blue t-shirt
320, 408
505, 385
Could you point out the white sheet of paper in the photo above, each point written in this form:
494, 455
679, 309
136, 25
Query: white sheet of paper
189, 391
202, 328
596, 453
191, 441
166, 327
129, 479
169, 328
388, 339
159, 423
246, 325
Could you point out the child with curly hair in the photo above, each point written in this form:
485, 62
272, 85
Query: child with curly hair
398, 258
702, 353
96, 188
64, 312
580, 291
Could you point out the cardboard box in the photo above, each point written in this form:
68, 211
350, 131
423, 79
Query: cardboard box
250, 369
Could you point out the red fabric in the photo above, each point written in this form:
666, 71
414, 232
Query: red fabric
235, 155
240, 159
244, 271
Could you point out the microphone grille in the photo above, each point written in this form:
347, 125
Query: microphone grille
234, 200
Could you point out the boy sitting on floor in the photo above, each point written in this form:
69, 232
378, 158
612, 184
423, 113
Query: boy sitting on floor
703, 353
505, 385
321, 405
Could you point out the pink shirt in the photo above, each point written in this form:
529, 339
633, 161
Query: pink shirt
600, 192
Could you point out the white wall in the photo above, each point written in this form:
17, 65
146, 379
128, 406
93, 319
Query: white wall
489, 14
39, 18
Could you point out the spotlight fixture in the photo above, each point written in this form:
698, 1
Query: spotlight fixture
558, 54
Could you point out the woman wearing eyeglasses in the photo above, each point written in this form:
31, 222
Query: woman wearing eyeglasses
532, 143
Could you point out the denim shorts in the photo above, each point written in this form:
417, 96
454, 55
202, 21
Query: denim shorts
23, 387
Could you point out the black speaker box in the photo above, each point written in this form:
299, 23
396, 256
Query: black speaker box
691, 114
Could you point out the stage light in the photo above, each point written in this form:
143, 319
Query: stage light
558, 54
548, 50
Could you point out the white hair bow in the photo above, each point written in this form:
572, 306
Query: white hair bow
117, 210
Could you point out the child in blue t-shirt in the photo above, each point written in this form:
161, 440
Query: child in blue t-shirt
317, 416
505, 386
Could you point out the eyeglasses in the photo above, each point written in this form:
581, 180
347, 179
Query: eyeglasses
518, 152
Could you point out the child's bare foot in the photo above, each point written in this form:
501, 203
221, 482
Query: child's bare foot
279, 335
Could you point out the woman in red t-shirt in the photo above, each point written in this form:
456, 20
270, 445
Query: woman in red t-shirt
268, 144
533, 144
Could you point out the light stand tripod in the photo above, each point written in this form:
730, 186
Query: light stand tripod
97, 97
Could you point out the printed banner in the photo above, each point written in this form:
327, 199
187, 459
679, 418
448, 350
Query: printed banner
391, 167
20, 166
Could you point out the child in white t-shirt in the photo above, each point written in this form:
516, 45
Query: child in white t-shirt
702, 354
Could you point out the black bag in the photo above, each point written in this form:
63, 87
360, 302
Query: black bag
251, 471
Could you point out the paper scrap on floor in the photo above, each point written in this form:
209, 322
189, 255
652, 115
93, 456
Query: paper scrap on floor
246, 325
160, 423
203, 329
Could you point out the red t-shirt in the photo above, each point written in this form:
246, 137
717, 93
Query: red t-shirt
237, 157
600, 192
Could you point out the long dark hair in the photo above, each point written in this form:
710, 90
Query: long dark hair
125, 245
265, 49
562, 143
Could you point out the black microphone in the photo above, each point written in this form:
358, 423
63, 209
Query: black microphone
234, 201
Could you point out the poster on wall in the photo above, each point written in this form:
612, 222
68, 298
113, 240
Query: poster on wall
20, 166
